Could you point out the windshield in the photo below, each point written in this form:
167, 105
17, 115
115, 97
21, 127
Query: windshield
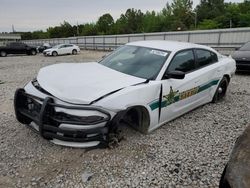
136, 61
245, 47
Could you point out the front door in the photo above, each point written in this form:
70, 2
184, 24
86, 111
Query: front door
180, 95
62, 50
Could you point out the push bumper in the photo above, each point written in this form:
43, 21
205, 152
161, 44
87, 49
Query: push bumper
50, 123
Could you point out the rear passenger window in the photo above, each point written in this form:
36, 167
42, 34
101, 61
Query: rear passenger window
183, 61
205, 57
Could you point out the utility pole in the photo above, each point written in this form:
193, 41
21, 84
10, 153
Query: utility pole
13, 29
195, 20
77, 29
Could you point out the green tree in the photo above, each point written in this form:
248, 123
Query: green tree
208, 24
244, 20
151, 22
182, 12
231, 16
89, 29
167, 18
209, 9
105, 24
244, 7
64, 30
244, 16
130, 22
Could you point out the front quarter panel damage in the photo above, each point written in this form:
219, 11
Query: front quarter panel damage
134, 96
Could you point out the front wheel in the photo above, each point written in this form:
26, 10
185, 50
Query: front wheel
3, 54
74, 52
54, 53
33, 52
221, 90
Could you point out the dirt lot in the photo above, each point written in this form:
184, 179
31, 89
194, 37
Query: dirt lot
190, 151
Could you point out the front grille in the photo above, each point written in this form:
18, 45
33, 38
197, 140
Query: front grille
64, 118
33, 107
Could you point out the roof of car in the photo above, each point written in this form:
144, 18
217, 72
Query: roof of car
167, 45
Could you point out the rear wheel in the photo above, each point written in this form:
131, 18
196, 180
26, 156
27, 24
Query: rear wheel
3, 54
54, 53
74, 52
221, 90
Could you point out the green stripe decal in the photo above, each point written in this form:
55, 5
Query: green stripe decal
206, 86
173, 97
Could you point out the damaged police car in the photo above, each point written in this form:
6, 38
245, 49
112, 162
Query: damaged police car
144, 84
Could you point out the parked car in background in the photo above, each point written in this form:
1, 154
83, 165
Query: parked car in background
242, 57
62, 49
144, 83
17, 48
43, 47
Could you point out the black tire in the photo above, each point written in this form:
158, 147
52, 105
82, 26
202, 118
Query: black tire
33, 52
221, 90
54, 53
3, 54
74, 52
20, 117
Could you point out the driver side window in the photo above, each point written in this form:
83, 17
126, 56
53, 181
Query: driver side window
182, 61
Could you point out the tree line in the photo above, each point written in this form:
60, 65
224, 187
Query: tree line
177, 16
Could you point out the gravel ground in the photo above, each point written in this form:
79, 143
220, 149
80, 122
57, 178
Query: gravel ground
190, 151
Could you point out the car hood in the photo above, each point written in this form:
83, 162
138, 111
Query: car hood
82, 83
241, 55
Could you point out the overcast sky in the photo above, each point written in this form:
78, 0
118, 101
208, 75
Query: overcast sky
30, 15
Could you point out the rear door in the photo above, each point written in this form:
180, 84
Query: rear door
208, 66
68, 48
202, 75
22, 48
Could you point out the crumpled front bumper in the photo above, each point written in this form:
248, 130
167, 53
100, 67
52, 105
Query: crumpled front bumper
47, 53
53, 122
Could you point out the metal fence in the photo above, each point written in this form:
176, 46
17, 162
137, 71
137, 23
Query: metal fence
9, 37
224, 40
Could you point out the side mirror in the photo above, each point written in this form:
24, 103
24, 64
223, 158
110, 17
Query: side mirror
174, 75
237, 48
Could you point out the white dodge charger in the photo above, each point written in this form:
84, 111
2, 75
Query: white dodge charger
144, 84
62, 49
